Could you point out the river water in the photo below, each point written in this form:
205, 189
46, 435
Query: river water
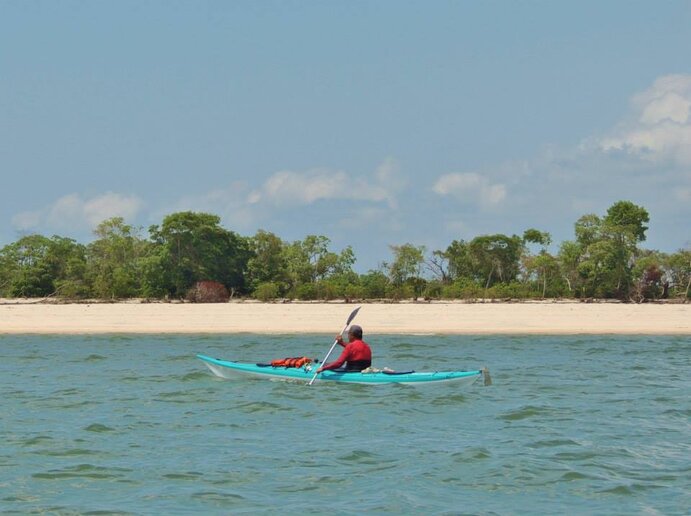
134, 424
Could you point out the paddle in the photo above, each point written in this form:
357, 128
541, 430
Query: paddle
350, 318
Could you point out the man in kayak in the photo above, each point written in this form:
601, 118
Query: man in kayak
357, 354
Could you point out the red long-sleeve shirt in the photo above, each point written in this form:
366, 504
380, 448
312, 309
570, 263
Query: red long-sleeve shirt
356, 353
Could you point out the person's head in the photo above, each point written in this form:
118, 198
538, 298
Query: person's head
354, 332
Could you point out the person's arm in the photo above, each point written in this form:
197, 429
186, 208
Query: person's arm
339, 339
336, 363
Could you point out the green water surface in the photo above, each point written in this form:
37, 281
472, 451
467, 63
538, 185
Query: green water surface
136, 425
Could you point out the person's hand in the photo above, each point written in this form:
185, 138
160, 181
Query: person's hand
319, 370
339, 340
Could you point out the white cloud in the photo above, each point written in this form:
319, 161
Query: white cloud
74, 213
246, 208
671, 106
66, 209
660, 128
97, 209
288, 187
471, 187
667, 98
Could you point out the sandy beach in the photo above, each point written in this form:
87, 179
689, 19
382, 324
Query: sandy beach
406, 318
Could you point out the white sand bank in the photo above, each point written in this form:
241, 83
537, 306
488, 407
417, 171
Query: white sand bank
440, 318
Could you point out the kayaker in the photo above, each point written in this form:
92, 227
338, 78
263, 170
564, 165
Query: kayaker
356, 355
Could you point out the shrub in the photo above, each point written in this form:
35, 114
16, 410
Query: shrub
354, 292
266, 291
374, 285
462, 288
326, 290
514, 290
208, 292
306, 292
400, 292
433, 290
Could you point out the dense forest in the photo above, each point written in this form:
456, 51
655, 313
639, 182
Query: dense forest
191, 256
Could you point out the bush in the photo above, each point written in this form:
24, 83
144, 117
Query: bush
433, 290
400, 292
374, 285
326, 290
514, 290
208, 292
462, 288
266, 291
306, 292
72, 289
354, 292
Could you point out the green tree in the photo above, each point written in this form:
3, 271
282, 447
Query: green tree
27, 263
582, 260
374, 284
543, 266
340, 285
191, 247
407, 263
568, 259
37, 266
495, 258
533, 236
460, 260
597, 270
405, 271
626, 218
310, 261
116, 260
624, 226
588, 230
608, 248
69, 264
268, 263
678, 269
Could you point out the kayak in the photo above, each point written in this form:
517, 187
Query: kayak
229, 369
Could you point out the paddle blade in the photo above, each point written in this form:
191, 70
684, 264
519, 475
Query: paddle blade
487, 377
352, 315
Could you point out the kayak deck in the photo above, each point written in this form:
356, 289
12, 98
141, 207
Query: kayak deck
229, 369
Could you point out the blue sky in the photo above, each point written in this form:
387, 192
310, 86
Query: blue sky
374, 123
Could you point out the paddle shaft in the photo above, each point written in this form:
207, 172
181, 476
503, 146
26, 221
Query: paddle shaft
350, 319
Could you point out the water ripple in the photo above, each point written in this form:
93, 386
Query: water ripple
525, 412
88, 471
73, 452
98, 428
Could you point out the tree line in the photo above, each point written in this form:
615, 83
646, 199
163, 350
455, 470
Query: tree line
189, 249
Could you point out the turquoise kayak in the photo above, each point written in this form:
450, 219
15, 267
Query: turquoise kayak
228, 369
